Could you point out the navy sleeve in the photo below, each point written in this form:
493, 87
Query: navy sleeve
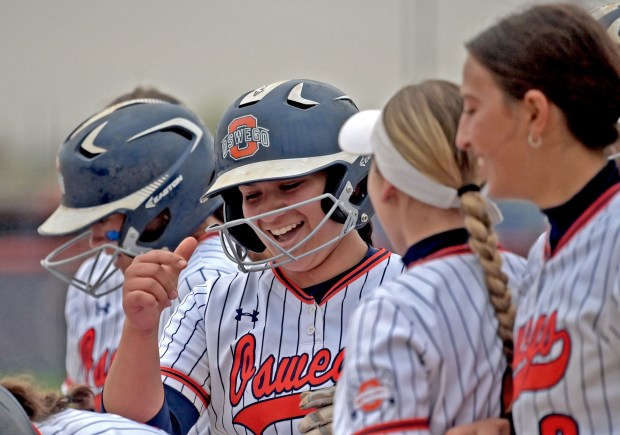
162, 419
177, 416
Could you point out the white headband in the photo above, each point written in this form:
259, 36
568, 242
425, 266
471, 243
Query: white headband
364, 133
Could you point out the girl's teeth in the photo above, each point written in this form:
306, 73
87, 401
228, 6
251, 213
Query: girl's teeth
283, 230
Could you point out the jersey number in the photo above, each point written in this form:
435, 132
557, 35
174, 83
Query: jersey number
558, 424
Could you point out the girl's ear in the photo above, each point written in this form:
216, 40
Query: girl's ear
537, 106
388, 191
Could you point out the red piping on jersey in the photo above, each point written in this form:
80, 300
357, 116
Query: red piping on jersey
590, 212
188, 382
367, 265
207, 235
395, 426
36, 429
446, 252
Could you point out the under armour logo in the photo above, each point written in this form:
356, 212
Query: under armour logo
105, 309
253, 315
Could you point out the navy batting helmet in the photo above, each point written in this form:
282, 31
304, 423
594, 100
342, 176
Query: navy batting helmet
609, 17
286, 130
146, 159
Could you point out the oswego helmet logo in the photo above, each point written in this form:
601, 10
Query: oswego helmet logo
244, 138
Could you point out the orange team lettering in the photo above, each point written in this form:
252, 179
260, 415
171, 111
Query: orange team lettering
537, 339
289, 374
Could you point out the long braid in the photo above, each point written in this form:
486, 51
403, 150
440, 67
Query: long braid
483, 241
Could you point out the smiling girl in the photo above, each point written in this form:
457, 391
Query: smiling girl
244, 347
542, 101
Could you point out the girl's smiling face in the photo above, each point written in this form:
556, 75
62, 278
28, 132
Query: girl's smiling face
493, 128
289, 227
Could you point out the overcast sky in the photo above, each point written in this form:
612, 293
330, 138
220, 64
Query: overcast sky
62, 60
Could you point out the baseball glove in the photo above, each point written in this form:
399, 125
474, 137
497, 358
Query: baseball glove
318, 422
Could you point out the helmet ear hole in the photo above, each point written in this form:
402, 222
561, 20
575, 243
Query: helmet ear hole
360, 193
243, 234
156, 227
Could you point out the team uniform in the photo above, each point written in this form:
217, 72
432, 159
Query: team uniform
245, 346
94, 325
94, 328
207, 261
425, 354
567, 331
78, 422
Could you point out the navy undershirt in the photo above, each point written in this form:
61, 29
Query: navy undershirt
435, 243
563, 216
318, 291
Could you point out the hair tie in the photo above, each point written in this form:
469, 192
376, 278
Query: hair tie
467, 188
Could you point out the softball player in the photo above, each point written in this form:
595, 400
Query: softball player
244, 347
425, 353
23, 410
540, 120
131, 175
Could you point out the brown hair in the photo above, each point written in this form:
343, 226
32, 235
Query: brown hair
148, 93
560, 50
422, 121
39, 404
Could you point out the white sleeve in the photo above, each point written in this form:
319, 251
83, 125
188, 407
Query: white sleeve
385, 384
183, 350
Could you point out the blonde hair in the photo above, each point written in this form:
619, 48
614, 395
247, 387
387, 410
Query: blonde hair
39, 404
421, 121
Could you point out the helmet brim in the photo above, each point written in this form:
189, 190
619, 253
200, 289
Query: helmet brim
66, 220
274, 170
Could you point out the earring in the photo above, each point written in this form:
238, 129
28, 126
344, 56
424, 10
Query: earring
534, 143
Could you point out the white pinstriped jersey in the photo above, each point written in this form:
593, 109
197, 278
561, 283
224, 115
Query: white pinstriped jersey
424, 355
94, 325
207, 261
94, 328
249, 344
567, 332
77, 422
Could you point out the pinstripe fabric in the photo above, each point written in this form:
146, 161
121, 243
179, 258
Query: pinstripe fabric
74, 422
254, 341
94, 325
424, 354
94, 328
567, 361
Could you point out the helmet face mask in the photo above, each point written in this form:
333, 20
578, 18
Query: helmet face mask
146, 159
282, 131
238, 252
63, 262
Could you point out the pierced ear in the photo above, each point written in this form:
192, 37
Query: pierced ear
537, 105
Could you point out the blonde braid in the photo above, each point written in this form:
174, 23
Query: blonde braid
483, 241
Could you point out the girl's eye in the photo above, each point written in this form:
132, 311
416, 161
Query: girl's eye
250, 196
468, 110
291, 186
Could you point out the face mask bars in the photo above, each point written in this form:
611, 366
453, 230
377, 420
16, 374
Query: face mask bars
237, 253
54, 261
